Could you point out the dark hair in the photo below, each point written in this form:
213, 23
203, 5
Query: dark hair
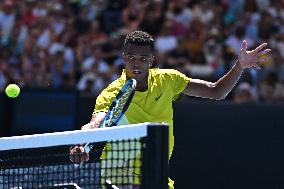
139, 38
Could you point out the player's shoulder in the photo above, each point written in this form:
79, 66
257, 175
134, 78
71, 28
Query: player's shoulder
164, 73
115, 85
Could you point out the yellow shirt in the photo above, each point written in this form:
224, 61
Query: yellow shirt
153, 105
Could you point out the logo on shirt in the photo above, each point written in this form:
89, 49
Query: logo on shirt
157, 98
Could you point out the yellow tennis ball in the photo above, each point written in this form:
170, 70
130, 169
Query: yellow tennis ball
12, 90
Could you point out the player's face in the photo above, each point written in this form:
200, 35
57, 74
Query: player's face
137, 60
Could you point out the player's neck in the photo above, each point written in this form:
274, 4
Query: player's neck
141, 88
142, 85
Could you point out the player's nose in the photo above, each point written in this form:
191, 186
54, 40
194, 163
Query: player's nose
136, 63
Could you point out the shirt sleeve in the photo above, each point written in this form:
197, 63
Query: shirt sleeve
179, 82
106, 97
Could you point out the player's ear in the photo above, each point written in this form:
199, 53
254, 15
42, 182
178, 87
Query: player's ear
123, 56
151, 63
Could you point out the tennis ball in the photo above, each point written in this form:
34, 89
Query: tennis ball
12, 90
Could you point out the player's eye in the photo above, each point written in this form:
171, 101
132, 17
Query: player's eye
141, 58
144, 59
131, 57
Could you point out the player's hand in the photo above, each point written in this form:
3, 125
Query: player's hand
248, 59
78, 154
97, 119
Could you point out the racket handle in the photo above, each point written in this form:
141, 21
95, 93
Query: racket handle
88, 147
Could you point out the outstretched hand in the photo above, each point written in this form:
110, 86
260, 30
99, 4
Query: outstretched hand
78, 154
249, 59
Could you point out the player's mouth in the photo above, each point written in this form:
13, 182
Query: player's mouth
136, 72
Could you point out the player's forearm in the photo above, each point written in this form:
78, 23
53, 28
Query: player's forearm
90, 125
225, 84
95, 122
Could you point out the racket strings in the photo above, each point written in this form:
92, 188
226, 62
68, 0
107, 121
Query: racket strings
117, 109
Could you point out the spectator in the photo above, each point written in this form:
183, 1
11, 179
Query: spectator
153, 19
244, 93
198, 38
271, 90
235, 40
166, 41
7, 21
132, 15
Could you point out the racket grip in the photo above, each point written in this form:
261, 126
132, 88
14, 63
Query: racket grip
88, 147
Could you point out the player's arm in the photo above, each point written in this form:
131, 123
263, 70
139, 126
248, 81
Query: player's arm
217, 90
220, 88
103, 103
77, 153
95, 122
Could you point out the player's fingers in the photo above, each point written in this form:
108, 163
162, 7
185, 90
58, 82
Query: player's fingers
260, 47
84, 157
74, 158
82, 150
79, 157
264, 52
73, 150
244, 46
77, 150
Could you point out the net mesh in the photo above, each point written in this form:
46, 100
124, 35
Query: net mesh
118, 161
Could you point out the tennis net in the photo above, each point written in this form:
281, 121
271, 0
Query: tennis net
133, 156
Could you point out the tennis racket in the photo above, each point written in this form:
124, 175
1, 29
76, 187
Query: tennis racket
117, 108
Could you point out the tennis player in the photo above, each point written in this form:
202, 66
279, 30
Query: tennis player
158, 88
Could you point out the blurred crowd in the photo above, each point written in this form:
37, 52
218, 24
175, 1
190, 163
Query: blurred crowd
76, 44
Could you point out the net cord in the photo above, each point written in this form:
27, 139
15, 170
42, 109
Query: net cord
74, 137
